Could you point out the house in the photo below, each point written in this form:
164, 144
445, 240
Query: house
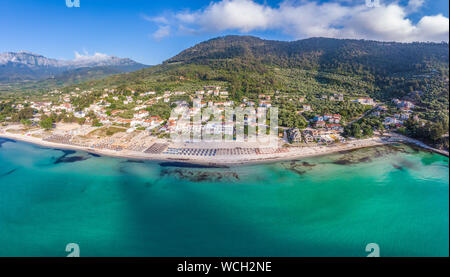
197, 103
79, 114
308, 138
181, 103
404, 116
104, 120
141, 114
391, 121
327, 117
320, 124
335, 127
148, 93
122, 121
144, 123
264, 97
212, 88
332, 118
339, 96
141, 107
337, 118
265, 104
116, 112
366, 101
137, 122
400, 103
308, 135
318, 118
307, 108
294, 135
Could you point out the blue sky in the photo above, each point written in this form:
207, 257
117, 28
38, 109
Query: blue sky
152, 31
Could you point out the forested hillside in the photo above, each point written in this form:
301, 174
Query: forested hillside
311, 67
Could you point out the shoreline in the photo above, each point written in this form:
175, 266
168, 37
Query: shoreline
292, 154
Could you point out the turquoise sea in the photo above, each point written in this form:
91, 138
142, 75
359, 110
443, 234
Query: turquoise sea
395, 196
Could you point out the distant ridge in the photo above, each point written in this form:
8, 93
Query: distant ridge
27, 66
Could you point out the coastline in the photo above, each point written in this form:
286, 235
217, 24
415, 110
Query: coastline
293, 153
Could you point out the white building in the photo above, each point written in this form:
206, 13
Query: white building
79, 114
141, 114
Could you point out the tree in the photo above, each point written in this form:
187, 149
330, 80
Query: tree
26, 122
91, 115
367, 131
46, 123
356, 130
81, 120
96, 123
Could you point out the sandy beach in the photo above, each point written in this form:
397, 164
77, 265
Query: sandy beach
289, 153
142, 146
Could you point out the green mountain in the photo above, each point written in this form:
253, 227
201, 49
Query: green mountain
311, 67
331, 55
343, 57
64, 79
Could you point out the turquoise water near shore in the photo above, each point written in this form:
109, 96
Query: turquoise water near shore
395, 196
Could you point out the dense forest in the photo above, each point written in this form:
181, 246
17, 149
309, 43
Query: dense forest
249, 65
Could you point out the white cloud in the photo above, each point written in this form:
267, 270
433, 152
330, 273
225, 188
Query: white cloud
308, 18
85, 57
390, 23
242, 15
414, 5
162, 32
312, 19
382, 23
435, 28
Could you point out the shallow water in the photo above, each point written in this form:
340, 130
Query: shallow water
335, 205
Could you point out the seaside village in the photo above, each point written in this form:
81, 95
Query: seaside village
141, 121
